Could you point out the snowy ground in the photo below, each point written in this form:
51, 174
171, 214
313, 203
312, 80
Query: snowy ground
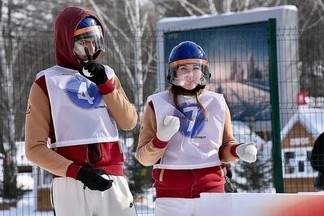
26, 207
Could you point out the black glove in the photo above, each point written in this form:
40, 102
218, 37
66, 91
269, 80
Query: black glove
92, 70
92, 179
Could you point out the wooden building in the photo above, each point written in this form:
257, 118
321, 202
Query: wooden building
297, 140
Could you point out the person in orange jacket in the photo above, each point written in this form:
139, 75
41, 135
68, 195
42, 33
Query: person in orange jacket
75, 109
186, 135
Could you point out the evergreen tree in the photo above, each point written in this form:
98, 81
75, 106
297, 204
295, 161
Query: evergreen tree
139, 176
255, 177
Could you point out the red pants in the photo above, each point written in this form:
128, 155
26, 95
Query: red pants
189, 183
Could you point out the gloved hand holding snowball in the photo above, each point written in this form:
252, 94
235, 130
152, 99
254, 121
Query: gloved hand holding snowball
245, 151
168, 128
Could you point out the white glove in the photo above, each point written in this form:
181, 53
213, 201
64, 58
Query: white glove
168, 128
247, 152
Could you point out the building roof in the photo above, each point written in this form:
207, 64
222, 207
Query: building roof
311, 118
243, 134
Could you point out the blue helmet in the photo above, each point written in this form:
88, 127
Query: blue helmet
89, 27
185, 53
86, 22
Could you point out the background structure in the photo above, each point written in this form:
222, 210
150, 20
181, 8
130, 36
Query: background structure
26, 42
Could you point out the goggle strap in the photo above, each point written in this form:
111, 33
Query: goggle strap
87, 29
188, 61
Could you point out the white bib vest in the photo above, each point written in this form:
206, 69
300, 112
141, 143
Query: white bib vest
196, 144
79, 113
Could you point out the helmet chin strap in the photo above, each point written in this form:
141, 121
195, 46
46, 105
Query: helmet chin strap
183, 91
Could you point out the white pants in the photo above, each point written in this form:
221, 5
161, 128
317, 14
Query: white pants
176, 207
70, 198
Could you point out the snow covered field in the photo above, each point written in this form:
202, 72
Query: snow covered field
26, 207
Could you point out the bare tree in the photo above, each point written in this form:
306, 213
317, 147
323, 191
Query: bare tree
130, 30
19, 45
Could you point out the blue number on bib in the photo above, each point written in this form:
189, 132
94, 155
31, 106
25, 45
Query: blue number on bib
83, 93
193, 121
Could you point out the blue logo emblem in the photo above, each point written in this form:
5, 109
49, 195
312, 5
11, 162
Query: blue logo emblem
192, 119
83, 93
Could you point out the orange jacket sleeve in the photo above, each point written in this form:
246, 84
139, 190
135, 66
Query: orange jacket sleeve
148, 154
38, 125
